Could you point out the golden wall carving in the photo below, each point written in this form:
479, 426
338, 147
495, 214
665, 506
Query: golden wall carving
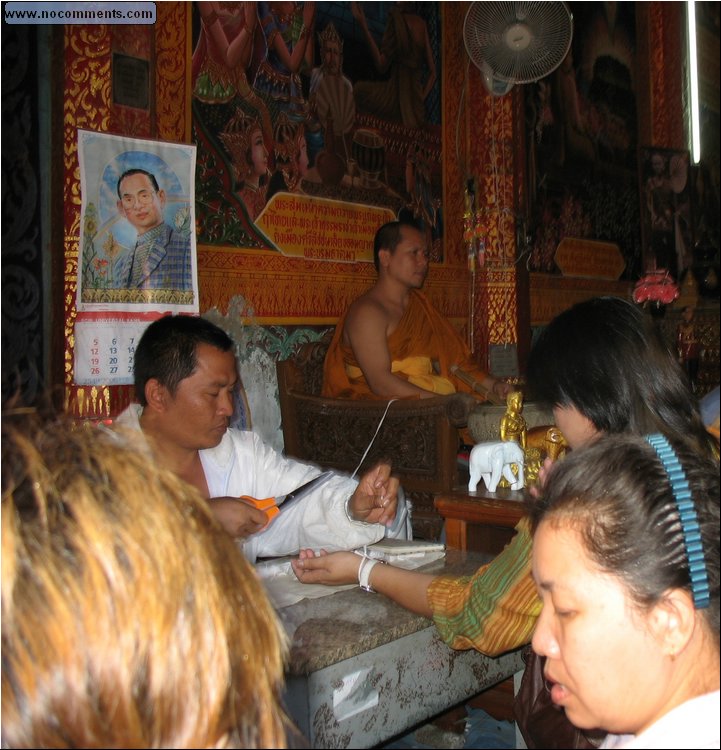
172, 53
666, 29
491, 139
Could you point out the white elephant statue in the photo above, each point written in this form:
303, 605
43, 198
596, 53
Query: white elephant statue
490, 461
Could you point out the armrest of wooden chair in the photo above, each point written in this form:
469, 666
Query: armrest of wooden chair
418, 436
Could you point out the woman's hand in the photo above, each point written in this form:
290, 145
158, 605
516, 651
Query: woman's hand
330, 569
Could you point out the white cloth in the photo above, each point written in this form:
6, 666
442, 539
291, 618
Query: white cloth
241, 464
694, 723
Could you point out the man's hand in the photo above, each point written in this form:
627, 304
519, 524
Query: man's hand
330, 569
239, 519
376, 497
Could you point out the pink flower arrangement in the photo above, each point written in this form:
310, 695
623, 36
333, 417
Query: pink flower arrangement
656, 286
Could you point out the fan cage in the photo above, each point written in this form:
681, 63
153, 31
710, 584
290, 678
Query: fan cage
549, 26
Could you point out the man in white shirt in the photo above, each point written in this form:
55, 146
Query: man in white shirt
185, 379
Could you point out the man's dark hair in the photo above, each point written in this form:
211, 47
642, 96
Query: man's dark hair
387, 238
167, 350
130, 172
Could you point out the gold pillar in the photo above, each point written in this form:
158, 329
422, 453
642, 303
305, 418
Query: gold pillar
496, 148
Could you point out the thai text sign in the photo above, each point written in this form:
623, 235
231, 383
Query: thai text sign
309, 227
589, 259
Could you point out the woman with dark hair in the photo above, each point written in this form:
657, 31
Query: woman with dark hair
626, 562
604, 367
605, 370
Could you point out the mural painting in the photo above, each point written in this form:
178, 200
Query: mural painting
582, 132
666, 210
308, 114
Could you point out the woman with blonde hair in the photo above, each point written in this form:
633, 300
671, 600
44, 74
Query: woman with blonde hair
129, 617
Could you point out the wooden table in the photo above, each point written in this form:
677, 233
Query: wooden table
480, 521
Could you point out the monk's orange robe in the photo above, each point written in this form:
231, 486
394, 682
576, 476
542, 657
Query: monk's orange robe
423, 348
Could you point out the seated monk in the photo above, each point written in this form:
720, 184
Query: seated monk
392, 343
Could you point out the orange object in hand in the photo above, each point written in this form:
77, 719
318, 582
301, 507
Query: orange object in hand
268, 505
272, 506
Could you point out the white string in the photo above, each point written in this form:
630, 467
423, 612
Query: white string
380, 424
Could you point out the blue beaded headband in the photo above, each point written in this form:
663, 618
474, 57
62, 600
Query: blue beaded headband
689, 519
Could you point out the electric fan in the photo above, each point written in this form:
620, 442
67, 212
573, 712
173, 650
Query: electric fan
516, 42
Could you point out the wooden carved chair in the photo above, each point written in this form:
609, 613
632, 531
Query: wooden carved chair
418, 436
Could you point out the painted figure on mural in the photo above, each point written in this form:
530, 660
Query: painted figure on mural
405, 51
331, 93
222, 66
576, 141
288, 31
659, 195
667, 205
258, 59
161, 257
291, 157
422, 207
223, 51
243, 137
222, 55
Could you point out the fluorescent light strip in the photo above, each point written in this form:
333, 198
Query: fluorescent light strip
693, 75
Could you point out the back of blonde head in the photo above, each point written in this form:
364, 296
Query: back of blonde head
129, 618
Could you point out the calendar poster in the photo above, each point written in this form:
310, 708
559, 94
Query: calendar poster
137, 256
137, 250
105, 349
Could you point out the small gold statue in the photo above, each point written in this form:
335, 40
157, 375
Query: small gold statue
513, 425
533, 465
549, 443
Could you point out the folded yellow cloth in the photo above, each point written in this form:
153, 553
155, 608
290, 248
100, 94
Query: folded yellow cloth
416, 370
